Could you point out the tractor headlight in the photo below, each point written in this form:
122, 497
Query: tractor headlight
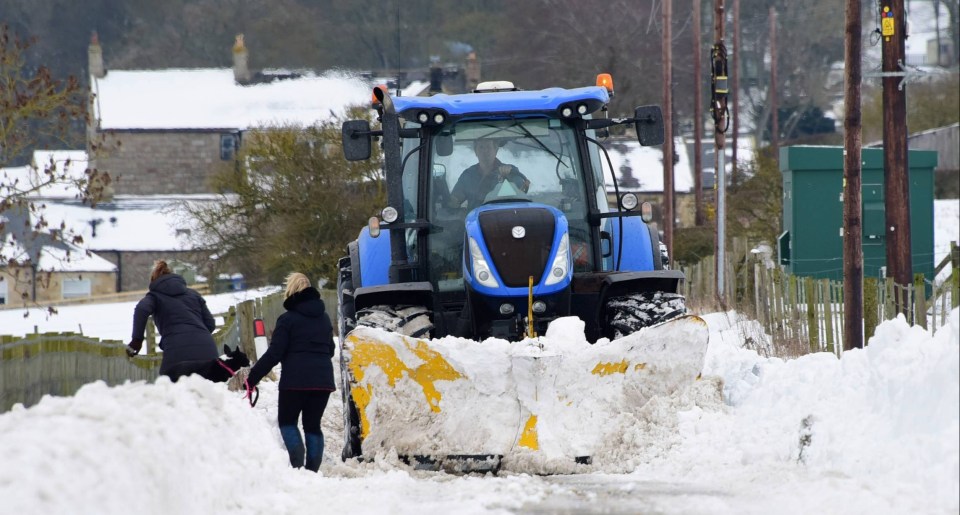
582, 109
561, 263
539, 307
438, 118
423, 117
566, 112
389, 214
481, 270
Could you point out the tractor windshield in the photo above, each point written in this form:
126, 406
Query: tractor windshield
476, 162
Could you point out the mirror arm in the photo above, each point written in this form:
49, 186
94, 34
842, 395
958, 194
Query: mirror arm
360, 134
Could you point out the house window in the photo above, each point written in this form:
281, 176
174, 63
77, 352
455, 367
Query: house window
3, 291
73, 288
228, 146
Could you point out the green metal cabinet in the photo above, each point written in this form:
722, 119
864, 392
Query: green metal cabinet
812, 241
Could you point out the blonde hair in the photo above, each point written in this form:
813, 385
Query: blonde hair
296, 282
160, 267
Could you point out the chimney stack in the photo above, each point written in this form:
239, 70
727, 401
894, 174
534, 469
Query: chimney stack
473, 71
95, 57
241, 72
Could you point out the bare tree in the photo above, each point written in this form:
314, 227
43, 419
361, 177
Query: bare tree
293, 205
35, 106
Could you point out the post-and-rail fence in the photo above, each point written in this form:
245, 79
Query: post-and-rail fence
803, 314
41, 364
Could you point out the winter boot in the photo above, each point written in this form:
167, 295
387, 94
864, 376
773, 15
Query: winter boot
294, 443
314, 450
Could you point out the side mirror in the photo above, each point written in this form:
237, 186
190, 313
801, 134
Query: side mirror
355, 136
444, 144
649, 124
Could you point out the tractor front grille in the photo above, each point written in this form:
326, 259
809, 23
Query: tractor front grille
516, 259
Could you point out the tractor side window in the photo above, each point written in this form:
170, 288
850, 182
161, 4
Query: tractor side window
411, 168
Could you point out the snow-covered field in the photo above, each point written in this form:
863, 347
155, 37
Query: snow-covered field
877, 431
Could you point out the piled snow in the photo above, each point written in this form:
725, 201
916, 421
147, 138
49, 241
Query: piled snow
876, 431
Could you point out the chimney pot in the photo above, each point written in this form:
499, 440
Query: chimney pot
95, 57
241, 70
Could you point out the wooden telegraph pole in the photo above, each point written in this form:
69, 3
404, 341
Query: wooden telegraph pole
697, 119
774, 108
735, 91
718, 108
852, 173
895, 177
668, 215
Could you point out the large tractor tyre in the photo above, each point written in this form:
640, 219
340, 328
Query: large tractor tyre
411, 321
346, 321
628, 314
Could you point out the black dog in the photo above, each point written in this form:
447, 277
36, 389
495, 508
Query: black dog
218, 370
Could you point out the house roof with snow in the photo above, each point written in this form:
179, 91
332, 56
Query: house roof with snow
158, 99
129, 223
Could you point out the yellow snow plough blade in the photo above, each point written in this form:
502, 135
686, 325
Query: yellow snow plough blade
457, 397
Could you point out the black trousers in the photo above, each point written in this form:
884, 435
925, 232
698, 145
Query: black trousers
310, 403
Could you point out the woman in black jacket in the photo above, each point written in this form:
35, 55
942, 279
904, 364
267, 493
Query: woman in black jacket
183, 321
303, 344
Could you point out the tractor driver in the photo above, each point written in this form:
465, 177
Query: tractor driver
480, 179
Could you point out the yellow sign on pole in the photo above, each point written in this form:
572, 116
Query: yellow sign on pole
886, 26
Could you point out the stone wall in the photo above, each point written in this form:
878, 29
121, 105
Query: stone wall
160, 162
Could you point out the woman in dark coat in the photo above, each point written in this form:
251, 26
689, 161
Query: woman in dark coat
183, 321
303, 344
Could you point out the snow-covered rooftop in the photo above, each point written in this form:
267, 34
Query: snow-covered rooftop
58, 257
212, 99
128, 223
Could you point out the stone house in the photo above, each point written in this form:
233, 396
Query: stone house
167, 131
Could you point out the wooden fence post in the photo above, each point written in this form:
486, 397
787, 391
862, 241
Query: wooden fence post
920, 303
245, 324
813, 325
889, 292
954, 275
151, 337
871, 288
827, 299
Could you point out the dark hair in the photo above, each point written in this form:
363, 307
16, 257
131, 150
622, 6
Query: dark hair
159, 268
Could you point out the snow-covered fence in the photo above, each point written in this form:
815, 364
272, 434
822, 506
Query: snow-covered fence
60, 363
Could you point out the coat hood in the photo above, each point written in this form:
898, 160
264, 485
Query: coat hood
169, 284
306, 302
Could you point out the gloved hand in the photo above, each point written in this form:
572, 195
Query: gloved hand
133, 348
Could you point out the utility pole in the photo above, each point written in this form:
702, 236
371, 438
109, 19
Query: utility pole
697, 119
735, 89
852, 184
774, 108
895, 171
718, 108
668, 215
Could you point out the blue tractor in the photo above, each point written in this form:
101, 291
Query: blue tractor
499, 222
